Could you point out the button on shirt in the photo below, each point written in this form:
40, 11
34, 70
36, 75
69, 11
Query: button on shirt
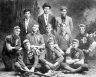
26, 24
46, 18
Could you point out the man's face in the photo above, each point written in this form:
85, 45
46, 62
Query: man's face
48, 29
17, 32
75, 45
63, 27
51, 45
46, 10
27, 14
27, 46
63, 12
82, 30
35, 28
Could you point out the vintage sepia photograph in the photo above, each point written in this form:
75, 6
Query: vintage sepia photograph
47, 38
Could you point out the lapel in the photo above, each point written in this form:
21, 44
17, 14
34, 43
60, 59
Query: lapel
49, 18
23, 22
29, 24
67, 20
43, 19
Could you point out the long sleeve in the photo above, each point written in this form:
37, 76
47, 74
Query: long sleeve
60, 57
20, 60
36, 60
71, 24
42, 56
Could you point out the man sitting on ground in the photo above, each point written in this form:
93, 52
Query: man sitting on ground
75, 58
52, 58
27, 59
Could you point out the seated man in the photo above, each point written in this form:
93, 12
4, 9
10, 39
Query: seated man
48, 35
64, 39
75, 58
35, 38
51, 58
86, 42
11, 46
27, 57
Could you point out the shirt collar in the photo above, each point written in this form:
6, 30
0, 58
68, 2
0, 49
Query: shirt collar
46, 14
34, 33
27, 19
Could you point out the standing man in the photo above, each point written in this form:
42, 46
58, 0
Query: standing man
46, 18
12, 45
65, 19
26, 24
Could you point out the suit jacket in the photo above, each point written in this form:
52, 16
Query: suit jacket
29, 28
41, 21
68, 21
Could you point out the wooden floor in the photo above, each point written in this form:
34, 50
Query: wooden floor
90, 73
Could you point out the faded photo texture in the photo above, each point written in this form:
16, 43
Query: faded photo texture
81, 11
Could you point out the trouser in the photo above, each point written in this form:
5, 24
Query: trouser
74, 67
84, 67
64, 56
20, 67
8, 62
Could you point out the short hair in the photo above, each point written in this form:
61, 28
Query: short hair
26, 10
26, 41
62, 8
16, 27
75, 40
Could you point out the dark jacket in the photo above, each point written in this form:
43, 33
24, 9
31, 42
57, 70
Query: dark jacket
23, 29
41, 21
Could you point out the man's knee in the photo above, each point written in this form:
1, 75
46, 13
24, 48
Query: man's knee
64, 64
17, 66
85, 67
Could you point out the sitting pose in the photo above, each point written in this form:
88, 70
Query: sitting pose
27, 59
75, 58
49, 35
35, 38
12, 45
64, 39
86, 42
51, 58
